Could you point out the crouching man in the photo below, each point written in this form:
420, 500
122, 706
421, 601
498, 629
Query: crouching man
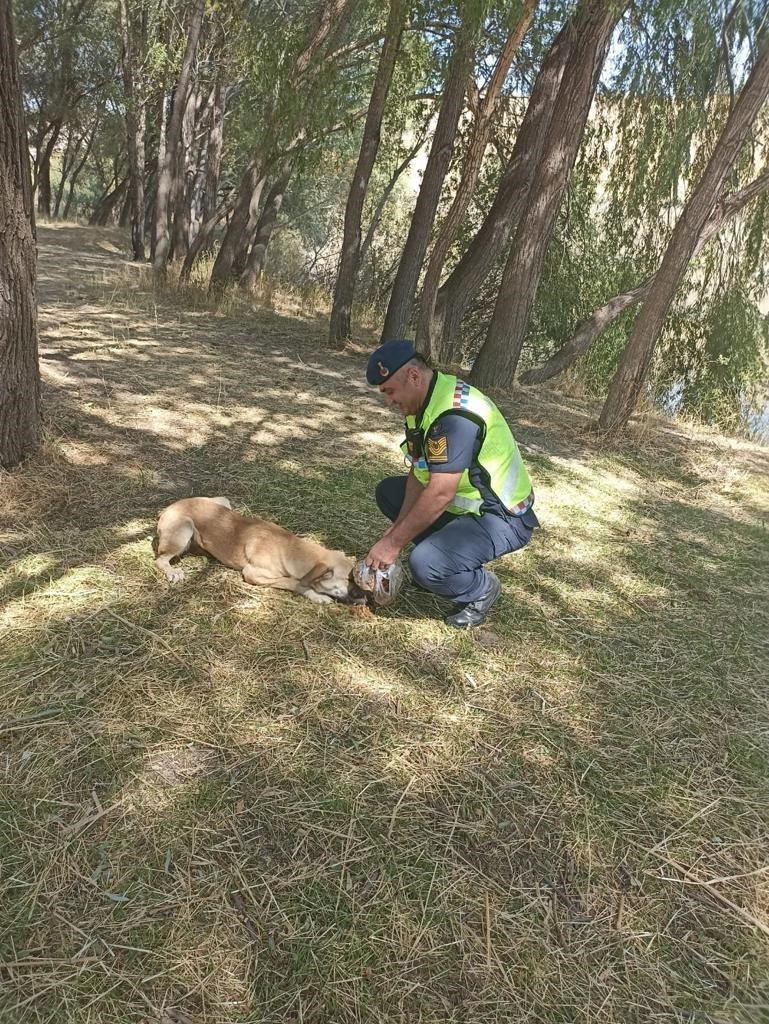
467, 498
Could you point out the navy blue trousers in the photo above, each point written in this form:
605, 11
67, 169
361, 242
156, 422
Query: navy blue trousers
448, 557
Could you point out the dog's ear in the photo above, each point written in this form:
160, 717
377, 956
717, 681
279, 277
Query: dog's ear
320, 571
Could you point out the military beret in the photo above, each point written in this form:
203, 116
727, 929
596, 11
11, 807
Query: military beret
387, 359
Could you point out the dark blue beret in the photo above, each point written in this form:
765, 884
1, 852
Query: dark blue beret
387, 359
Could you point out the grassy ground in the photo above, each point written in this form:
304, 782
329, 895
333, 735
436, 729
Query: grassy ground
228, 805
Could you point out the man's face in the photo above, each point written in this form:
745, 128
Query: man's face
404, 391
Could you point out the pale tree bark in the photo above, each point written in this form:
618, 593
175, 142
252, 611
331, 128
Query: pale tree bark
264, 228
167, 170
349, 263
602, 317
498, 358
162, 132
429, 339
404, 288
214, 149
331, 14
636, 359
501, 221
135, 117
186, 166
19, 368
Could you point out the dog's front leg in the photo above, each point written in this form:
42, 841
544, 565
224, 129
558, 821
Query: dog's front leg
256, 577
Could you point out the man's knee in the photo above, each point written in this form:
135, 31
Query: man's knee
389, 495
425, 565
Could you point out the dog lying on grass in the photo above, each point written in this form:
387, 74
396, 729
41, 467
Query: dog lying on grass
265, 554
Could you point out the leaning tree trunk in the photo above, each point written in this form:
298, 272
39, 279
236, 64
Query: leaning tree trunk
135, 130
167, 171
249, 193
501, 221
636, 359
498, 358
404, 288
19, 369
349, 263
106, 205
203, 239
605, 315
428, 339
264, 228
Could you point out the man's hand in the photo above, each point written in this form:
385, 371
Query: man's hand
383, 553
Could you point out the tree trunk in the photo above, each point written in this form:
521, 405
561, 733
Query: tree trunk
244, 212
404, 288
349, 263
258, 255
106, 205
44, 173
19, 370
214, 150
203, 238
185, 174
160, 162
135, 130
636, 359
501, 221
70, 155
429, 339
498, 358
76, 173
167, 170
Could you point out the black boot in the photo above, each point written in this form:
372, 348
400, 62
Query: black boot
474, 614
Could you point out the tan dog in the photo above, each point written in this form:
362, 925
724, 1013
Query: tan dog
266, 554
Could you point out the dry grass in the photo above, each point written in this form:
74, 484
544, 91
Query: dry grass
228, 805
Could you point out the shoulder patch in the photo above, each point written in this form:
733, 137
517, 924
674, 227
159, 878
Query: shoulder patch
438, 449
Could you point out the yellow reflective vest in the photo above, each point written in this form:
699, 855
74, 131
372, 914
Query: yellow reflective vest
498, 470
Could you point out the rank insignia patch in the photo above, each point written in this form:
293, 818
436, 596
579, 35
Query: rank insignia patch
437, 449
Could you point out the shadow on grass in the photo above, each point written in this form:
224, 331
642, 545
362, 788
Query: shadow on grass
230, 804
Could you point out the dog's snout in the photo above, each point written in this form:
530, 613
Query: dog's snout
354, 593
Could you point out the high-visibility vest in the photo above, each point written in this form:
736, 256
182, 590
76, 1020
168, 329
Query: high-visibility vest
498, 467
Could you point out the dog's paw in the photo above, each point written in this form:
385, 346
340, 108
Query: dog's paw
174, 575
316, 598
